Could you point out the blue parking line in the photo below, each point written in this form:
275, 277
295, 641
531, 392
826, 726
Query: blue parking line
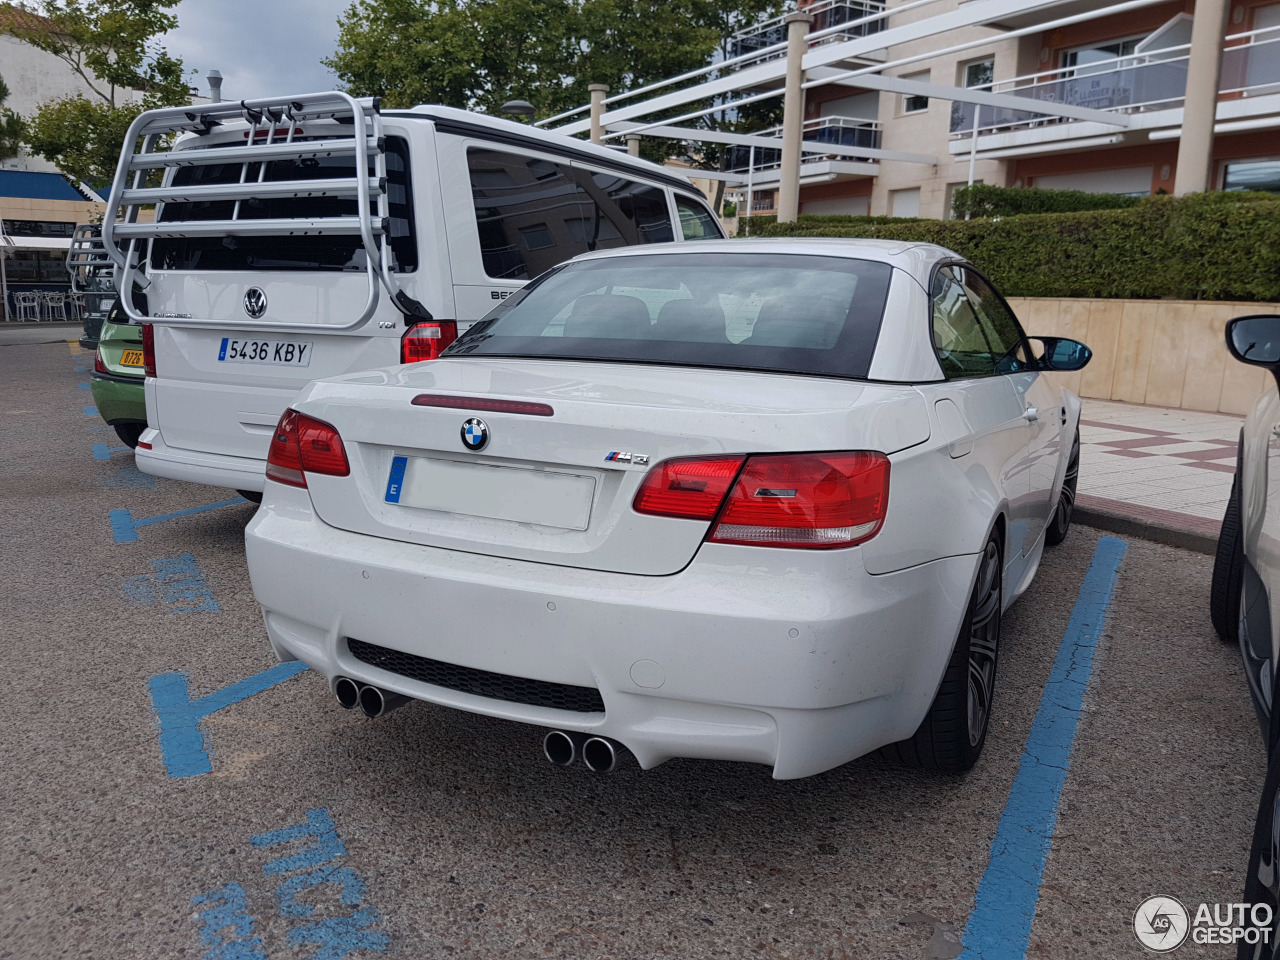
90, 411
999, 927
102, 452
125, 529
83, 386
178, 717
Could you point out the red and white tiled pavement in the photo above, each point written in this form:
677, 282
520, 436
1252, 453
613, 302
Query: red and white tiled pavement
1169, 468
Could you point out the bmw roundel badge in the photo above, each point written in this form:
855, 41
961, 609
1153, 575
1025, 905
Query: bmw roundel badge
475, 434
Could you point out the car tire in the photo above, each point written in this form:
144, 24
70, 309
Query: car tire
1060, 522
253, 496
1262, 879
129, 433
1228, 570
954, 730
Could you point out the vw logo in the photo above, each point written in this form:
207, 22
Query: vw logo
255, 302
475, 434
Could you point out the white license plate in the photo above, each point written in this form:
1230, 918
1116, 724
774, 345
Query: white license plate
291, 353
499, 493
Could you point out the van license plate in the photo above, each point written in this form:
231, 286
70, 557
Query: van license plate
291, 353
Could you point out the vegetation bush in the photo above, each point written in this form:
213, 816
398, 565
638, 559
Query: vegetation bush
1210, 246
984, 200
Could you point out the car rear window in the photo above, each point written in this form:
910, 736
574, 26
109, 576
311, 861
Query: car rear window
779, 312
294, 252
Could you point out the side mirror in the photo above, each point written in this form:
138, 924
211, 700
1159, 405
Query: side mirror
1062, 355
1255, 340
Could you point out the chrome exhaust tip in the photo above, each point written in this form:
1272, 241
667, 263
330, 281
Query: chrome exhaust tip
600, 755
562, 748
376, 703
348, 693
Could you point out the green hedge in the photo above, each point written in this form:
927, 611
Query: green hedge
1210, 246
984, 200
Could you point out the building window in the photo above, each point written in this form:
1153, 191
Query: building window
1083, 61
904, 203
978, 73
1252, 175
911, 103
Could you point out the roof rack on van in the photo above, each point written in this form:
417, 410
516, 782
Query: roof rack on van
87, 257
126, 239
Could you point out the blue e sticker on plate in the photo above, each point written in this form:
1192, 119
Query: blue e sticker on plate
396, 480
222, 353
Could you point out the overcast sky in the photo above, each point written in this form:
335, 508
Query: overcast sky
262, 47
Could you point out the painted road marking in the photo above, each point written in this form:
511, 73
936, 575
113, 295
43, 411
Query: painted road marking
83, 386
182, 743
102, 452
178, 581
334, 938
90, 411
125, 529
999, 927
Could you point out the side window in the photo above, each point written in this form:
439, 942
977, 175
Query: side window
529, 212
1001, 326
618, 212
964, 346
696, 221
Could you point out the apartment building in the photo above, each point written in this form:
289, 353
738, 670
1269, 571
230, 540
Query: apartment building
1064, 94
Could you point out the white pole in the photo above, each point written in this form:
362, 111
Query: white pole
751, 169
973, 147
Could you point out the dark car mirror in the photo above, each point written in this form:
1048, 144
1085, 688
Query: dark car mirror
1255, 340
1062, 355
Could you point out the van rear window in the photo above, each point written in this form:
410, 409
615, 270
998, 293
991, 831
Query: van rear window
286, 253
787, 313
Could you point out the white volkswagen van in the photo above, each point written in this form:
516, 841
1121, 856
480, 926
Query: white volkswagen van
302, 237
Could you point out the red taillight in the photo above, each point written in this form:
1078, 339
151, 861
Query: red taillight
148, 350
807, 500
98, 365
691, 488
427, 340
301, 445
813, 500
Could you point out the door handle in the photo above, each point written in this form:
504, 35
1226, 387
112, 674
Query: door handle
1031, 415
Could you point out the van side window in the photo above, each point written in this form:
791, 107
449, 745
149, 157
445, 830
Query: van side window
622, 213
696, 221
528, 211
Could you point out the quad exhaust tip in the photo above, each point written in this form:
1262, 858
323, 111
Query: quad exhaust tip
563, 747
600, 755
348, 693
375, 703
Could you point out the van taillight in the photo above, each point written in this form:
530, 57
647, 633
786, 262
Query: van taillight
811, 500
148, 350
302, 445
427, 340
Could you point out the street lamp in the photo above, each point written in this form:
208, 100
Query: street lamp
521, 108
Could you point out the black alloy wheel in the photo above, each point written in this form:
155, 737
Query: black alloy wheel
1262, 879
954, 730
1061, 520
1228, 569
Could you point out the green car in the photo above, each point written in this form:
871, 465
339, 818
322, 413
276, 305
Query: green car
117, 382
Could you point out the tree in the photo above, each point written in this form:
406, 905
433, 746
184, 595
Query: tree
110, 45
480, 53
10, 126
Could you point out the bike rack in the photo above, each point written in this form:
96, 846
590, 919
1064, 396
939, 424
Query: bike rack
127, 241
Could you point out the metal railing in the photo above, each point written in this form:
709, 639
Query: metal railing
272, 131
842, 131
767, 40
1155, 80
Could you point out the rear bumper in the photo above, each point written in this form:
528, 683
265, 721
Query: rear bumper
216, 470
796, 659
118, 398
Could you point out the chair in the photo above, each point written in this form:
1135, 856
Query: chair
28, 305
609, 316
53, 306
691, 321
807, 322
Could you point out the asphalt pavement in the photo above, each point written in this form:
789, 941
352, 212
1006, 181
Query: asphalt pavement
155, 801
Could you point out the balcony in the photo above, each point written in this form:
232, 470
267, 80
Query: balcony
1149, 86
845, 131
827, 14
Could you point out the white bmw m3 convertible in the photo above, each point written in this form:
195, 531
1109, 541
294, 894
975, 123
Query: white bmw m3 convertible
740, 500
